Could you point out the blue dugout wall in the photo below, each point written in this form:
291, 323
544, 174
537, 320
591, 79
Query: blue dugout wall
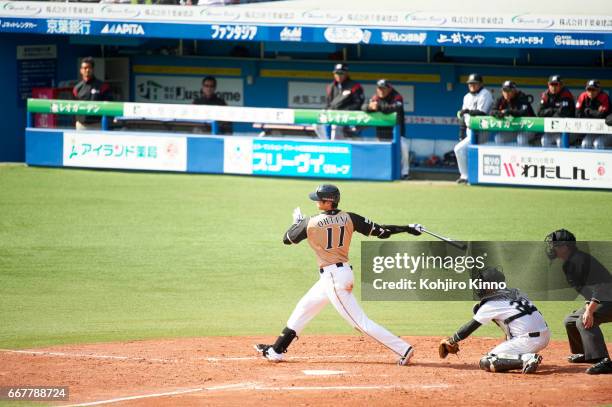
266, 80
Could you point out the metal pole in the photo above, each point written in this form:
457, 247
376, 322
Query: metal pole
397, 152
564, 140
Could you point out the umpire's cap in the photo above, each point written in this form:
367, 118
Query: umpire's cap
474, 78
561, 237
326, 192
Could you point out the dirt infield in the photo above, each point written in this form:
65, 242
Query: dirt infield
319, 370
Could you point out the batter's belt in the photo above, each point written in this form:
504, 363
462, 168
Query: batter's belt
331, 266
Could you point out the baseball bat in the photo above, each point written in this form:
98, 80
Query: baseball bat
460, 246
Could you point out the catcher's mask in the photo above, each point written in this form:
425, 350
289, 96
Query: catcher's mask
489, 278
561, 237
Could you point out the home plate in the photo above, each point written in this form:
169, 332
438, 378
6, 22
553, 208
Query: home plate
322, 372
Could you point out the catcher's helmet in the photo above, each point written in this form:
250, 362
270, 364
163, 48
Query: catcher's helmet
554, 79
474, 78
326, 192
489, 275
561, 237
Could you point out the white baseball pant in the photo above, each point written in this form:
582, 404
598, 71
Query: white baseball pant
335, 285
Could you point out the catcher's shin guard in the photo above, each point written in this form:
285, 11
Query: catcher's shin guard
284, 340
496, 364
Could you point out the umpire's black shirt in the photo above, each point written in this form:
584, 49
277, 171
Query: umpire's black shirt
588, 276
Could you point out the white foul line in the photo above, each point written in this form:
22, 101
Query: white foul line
256, 387
235, 386
171, 393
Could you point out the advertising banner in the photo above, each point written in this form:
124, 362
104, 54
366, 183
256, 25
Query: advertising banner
544, 167
287, 158
338, 23
167, 111
538, 124
184, 89
106, 150
245, 23
74, 107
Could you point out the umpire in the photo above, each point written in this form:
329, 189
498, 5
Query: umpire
591, 279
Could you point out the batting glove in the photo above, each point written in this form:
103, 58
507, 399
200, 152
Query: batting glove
415, 229
297, 215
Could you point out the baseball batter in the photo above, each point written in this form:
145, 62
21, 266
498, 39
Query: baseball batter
526, 331
329, 235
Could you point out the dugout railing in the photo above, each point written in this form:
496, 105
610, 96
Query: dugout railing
214, 153
538, 166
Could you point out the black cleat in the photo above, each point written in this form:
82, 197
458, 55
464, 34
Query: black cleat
576, 358
603, 367
262, 348
579, 358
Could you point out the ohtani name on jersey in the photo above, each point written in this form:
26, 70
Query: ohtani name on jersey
334, 220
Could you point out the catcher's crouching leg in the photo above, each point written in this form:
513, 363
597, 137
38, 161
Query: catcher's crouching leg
497, 364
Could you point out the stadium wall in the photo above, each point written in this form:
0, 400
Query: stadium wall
438, 87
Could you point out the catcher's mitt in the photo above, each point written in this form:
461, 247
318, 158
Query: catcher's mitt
447, 346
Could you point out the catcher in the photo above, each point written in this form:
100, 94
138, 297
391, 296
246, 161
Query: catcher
526, 331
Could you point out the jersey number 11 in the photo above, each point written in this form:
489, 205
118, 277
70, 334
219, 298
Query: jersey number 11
330, 239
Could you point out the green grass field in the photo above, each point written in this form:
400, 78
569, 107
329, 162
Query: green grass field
89, 256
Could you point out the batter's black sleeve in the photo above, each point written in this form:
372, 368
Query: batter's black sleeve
369, 228
466, 330
297, 232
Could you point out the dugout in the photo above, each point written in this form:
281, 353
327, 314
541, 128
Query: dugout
280, 54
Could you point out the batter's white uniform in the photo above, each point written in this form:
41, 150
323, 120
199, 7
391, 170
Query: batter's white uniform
482, 101
329, 235
525, 328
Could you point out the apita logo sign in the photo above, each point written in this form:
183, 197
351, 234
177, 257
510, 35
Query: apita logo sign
123, 29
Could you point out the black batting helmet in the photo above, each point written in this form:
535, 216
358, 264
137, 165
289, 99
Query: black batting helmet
490, 278
561, 237
326, 192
